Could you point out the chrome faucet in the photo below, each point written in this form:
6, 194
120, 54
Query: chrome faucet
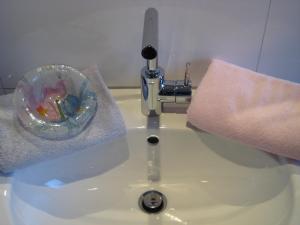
155, 90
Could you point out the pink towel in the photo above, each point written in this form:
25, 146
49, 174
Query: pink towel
253, 108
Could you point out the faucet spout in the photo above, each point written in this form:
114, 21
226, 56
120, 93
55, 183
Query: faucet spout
155, 90
150, 38
150, 54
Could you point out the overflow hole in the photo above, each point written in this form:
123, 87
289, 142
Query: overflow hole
152, 139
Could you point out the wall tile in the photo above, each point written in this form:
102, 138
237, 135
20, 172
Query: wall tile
109, 33
281, 49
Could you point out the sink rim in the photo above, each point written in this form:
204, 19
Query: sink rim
137, 121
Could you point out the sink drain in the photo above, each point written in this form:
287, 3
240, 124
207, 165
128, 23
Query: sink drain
153, 140
152, 202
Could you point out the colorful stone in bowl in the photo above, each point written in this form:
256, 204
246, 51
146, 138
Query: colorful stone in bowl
55, 102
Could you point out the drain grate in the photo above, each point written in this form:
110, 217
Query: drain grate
152, 202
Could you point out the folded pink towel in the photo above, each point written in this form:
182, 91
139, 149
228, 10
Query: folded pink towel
253, 108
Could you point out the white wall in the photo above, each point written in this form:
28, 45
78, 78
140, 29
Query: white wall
109, 33
281, 49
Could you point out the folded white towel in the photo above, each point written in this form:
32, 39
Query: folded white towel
20, 148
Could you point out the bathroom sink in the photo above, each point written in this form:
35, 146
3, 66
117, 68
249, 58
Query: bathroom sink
206, 179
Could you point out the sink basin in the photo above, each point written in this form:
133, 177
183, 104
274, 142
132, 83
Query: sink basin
206, 179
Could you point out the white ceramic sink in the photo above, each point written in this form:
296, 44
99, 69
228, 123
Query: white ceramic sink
206, 180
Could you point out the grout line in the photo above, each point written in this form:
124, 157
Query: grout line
1, 87
8, 90
263, 37
121, 87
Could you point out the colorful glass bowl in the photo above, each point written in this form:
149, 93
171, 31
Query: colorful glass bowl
55, 102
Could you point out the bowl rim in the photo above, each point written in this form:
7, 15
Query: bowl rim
46, 66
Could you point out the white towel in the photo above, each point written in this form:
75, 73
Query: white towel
20, 148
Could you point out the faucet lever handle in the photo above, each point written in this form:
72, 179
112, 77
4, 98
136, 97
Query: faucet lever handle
187, 74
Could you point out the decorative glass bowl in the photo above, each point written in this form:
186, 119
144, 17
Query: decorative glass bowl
55, 102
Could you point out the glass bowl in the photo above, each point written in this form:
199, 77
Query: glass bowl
55, 102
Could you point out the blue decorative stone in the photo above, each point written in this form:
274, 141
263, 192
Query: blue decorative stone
70, 105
